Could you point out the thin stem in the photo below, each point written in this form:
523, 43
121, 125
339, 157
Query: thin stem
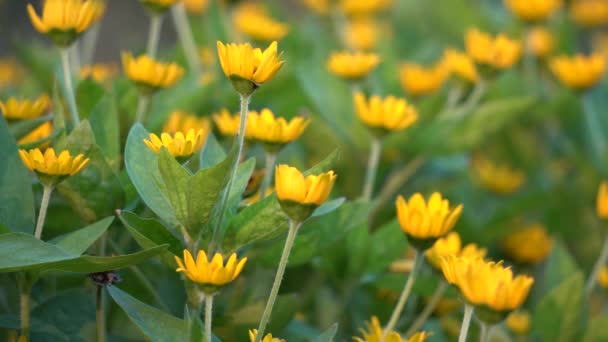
291, 237
75, 57
466, 322
372, 168
407, 289
156, 22
428, 309
142, 108
601, 261
486, 332
454, 96
46, 197
270, 161
208, 316
69, 88
89, 43
473, 100
101, 329
24, 304
184, 32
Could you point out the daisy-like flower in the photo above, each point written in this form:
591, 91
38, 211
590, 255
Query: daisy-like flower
519, 322
602, 201
578, 72
20, 109
361, 34
498, 178
363, 7
418, 80
589, 13
149, 74
253, 21
178, 145
374, 332
498, 52
533, 10
452, 245
39, 133
180, 121
212, 274
64, 20
530, 244
352, 66
50, 168
384, 115
227, 123
99, 72
158, 6
459, 64
274, 132
540, 42
196, 7
268, 338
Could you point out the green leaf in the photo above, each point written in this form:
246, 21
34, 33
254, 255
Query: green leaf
243, 174
196, 328
560, 266
142, 166
68, 312
325, 165
558, 315
106, 129
596, 330
16, 198
328, 335
155, 324
22, 128
212, 153
88, 95
79, 241
90, 264
175, 178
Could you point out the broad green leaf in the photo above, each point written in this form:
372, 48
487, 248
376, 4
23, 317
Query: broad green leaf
16, 198
91, 264
212, 153
88, 95
596, 330
243, 174
196, 328
325, 165
80, 139
175, 178
142, 166
22, 128
79, 241
38, 59
328, 335
560, 266
558, 315
154, 323
106, 128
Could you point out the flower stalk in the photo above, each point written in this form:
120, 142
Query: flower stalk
99, 316
291, 237
208, 316
142, 107
47, 190
372, 168
486, 331
601, 261
156, 22
428, 309
270, 161
24, 305
69, 87
184, 32
89, 43
466, 322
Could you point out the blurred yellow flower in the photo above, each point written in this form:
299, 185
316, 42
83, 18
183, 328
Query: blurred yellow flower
426, 221
589, 13
227, 123
602, 277
49, 164
254, 66
180, 121
533, 10
268, 338
418, 80
10, 72
196, 7
211, 274
461, 65
150, 74
497, 178
452, 245
361, 33
64, 20
578, 72
498, 52
99, 72
252, 20
159, 6
178, 145
320, 7
388, 114
519, 322
19, 109
530, 244
256, 196
486, 284
364, 7
265, 127
602, 201
540, 42
374, 333
292, 185
39, 133
352, 66
99, 9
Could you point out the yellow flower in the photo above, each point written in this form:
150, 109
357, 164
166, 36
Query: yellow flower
486, 284
227, 124
602, 201
540, 42
49, 164
418, 80
602, 277
267, 128
361, 33
425, 222
14, 109
320, 7
268, 338
533, 10
498, 178
374, 333
150, 74
364, 7
461, 65
196, 7
352, 66
530, 244
519, 322
254, 66
158, 6
64, 20
252, 20
388, 114
256, 196
183, 122
210, 274
452, 245
99, 72
39, 133
589, 13
292, 185
498, 52
10, 72
178, 145
579, 72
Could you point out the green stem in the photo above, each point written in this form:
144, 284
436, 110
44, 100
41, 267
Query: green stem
486, 332
184, 32
46, 197
372, 168
601, 261
69, 87
466, 322
407, 289
142, 108
156, 22
75, 57
89, 43
208, 316
270, 161
291, 237
428, 309
24, 301
99, 315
